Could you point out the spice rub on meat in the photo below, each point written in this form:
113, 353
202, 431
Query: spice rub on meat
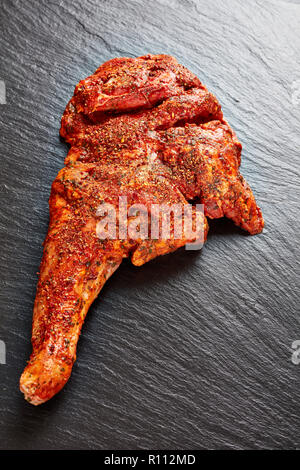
148, 129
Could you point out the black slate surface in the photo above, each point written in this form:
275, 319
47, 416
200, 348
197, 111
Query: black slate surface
192, 350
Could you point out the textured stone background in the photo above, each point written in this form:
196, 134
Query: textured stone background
192, 350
